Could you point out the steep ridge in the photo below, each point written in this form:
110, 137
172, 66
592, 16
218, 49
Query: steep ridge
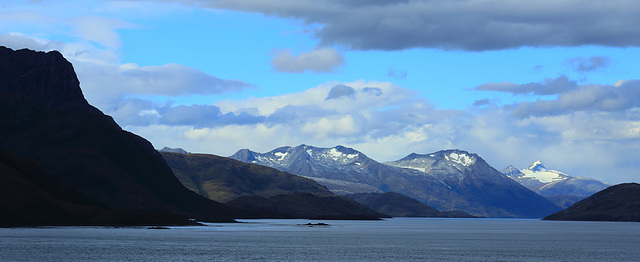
562, 189
447, 180
266, 191
47, 121
615, 203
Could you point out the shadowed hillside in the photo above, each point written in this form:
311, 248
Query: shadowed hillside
224, 179
47, 121
398, 205
615, 203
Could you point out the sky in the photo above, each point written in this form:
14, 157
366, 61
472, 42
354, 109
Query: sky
513, 81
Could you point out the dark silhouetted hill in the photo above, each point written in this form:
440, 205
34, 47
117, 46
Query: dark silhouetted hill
615, 203
46, 120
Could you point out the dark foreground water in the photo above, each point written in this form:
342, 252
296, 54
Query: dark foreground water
398, 239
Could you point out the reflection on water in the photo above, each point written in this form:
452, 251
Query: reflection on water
398, 239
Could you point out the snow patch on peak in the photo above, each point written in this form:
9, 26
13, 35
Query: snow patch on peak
335, 154
281, 155
462, 159
544, 176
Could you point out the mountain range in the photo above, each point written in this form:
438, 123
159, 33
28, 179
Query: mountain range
266, 191
562, 189
446, 180
64, 162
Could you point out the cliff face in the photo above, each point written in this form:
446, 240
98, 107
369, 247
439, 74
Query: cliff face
47, 121
46, 79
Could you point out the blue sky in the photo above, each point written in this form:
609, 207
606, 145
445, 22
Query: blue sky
513, 81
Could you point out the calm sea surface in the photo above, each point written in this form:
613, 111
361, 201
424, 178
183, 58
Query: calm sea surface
398, 239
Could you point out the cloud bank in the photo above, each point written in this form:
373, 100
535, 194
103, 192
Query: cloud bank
474, 25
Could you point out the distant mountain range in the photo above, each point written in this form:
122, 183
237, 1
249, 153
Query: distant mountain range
562, 189
616, 203
267, 192
446, 180
277, 194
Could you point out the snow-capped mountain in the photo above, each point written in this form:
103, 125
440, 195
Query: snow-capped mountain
342, 170
445, 180
557, 186
479, 183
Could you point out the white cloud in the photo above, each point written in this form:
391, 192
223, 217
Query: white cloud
320, 61
101, 30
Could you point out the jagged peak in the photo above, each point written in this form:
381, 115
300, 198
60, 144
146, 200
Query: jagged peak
244, 155
346, 150
537, 166
284, 149
511, 170
456, 156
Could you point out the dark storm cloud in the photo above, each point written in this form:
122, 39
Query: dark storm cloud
582, 64
457, 25
549, 87
340, 91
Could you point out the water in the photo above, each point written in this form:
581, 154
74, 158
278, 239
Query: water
398, 239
